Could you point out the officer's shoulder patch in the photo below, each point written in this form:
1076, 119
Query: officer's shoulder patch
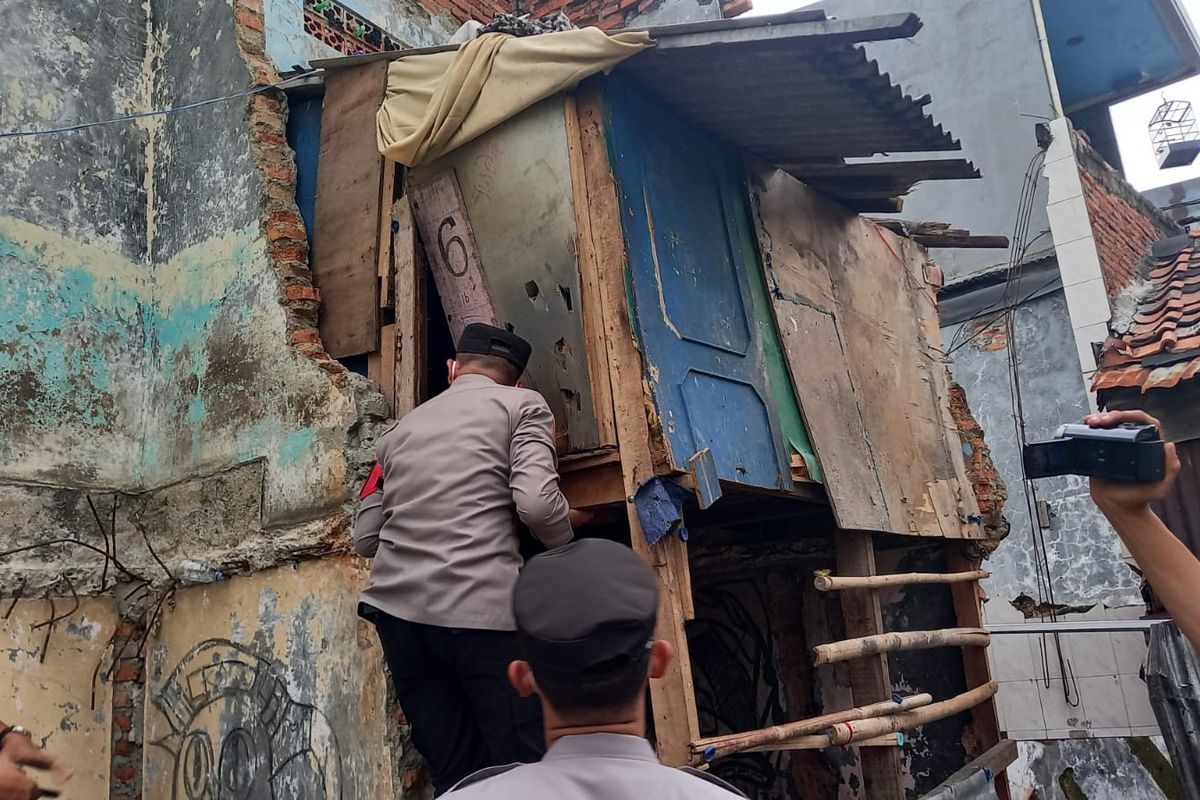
483, 774
713, 779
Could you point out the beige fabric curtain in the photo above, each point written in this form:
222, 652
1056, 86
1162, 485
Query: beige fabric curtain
439, 101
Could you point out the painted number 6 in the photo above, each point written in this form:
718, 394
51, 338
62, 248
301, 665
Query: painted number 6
445, 244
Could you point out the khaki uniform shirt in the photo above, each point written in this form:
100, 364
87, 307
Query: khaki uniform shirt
441, 527
593, 766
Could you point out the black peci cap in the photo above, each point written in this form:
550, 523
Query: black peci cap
488, 340
584, 606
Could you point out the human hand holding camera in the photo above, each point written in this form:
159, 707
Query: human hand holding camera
1126, 497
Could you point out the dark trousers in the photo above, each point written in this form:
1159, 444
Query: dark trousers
453, 686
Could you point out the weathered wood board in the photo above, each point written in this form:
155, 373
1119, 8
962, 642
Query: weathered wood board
859, 326
350, 204
441, 217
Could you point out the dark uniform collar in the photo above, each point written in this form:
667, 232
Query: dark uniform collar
601, 745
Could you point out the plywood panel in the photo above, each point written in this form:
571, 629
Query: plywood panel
349, 207
859, 324
518, 195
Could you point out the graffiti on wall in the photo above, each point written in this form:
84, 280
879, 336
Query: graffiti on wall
237, 733
737, 685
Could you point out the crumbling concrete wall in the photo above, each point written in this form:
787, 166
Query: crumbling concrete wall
72, 231
51, 656
269, 686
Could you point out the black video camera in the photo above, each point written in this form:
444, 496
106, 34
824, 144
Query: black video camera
1129, 452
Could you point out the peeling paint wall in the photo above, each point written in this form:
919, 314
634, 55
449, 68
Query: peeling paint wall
269, 686
52, 696
72, 228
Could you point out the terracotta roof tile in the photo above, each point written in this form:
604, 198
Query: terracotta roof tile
1156, 352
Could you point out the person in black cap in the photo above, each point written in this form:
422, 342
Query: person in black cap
437, 516
585, 617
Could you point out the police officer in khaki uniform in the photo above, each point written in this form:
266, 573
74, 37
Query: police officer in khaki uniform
585, 617
437, 515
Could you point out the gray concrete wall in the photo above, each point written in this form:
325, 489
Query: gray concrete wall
981, 62
1084, 552
72, 236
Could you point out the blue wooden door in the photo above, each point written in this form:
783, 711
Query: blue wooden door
690, 256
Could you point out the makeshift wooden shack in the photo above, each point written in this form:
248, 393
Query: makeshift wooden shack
722, 338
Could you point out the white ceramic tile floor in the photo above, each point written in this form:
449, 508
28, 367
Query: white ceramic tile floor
1137, 701
1103, 702
1019, 706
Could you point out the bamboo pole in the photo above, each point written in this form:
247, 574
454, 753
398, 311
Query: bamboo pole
847, 732
822, 741
907, 640
715, 747
830, 583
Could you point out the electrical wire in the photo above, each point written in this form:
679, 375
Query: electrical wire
1045, 580
159, 112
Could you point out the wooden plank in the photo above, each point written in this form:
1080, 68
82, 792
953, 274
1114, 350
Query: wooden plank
996, 760
387, 191
346, 241
833, 583
863, 646
968, 611
409, 303
589, 281
454, 260
673, 695
387, 367
858, 322
870, 680
601, 485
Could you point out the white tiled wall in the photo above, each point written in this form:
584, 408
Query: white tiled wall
1108, 696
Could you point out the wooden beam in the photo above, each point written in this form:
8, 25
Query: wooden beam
589, 282
672, 696
387, 196
996, 760
409, 304
831, 583
820, 742
601, 485
381, 366
346, 233
843, 733
968, 612
706, 750
898, 641
828, 32
870, 680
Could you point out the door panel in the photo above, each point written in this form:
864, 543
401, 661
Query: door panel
687, 234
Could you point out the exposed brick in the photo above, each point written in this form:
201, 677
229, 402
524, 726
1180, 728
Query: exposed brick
125, 630
286, 225
270, 138
123, 721
126, 672
125, 772
282, 172
121, 698
250, 20
288, 251
124, 747
303, 293
305, 336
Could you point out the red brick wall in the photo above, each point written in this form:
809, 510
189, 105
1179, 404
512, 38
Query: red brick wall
1124, 224
463, 10
990, 491
288, 242
128, 703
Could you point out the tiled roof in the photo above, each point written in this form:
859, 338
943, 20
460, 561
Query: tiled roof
1161, 347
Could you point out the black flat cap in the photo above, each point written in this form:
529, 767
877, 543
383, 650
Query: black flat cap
584, 606
488, 340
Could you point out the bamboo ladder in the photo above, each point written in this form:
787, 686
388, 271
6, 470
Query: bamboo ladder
879, 718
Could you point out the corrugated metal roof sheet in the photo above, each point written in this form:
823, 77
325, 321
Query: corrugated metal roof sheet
1161, 348
795, 91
